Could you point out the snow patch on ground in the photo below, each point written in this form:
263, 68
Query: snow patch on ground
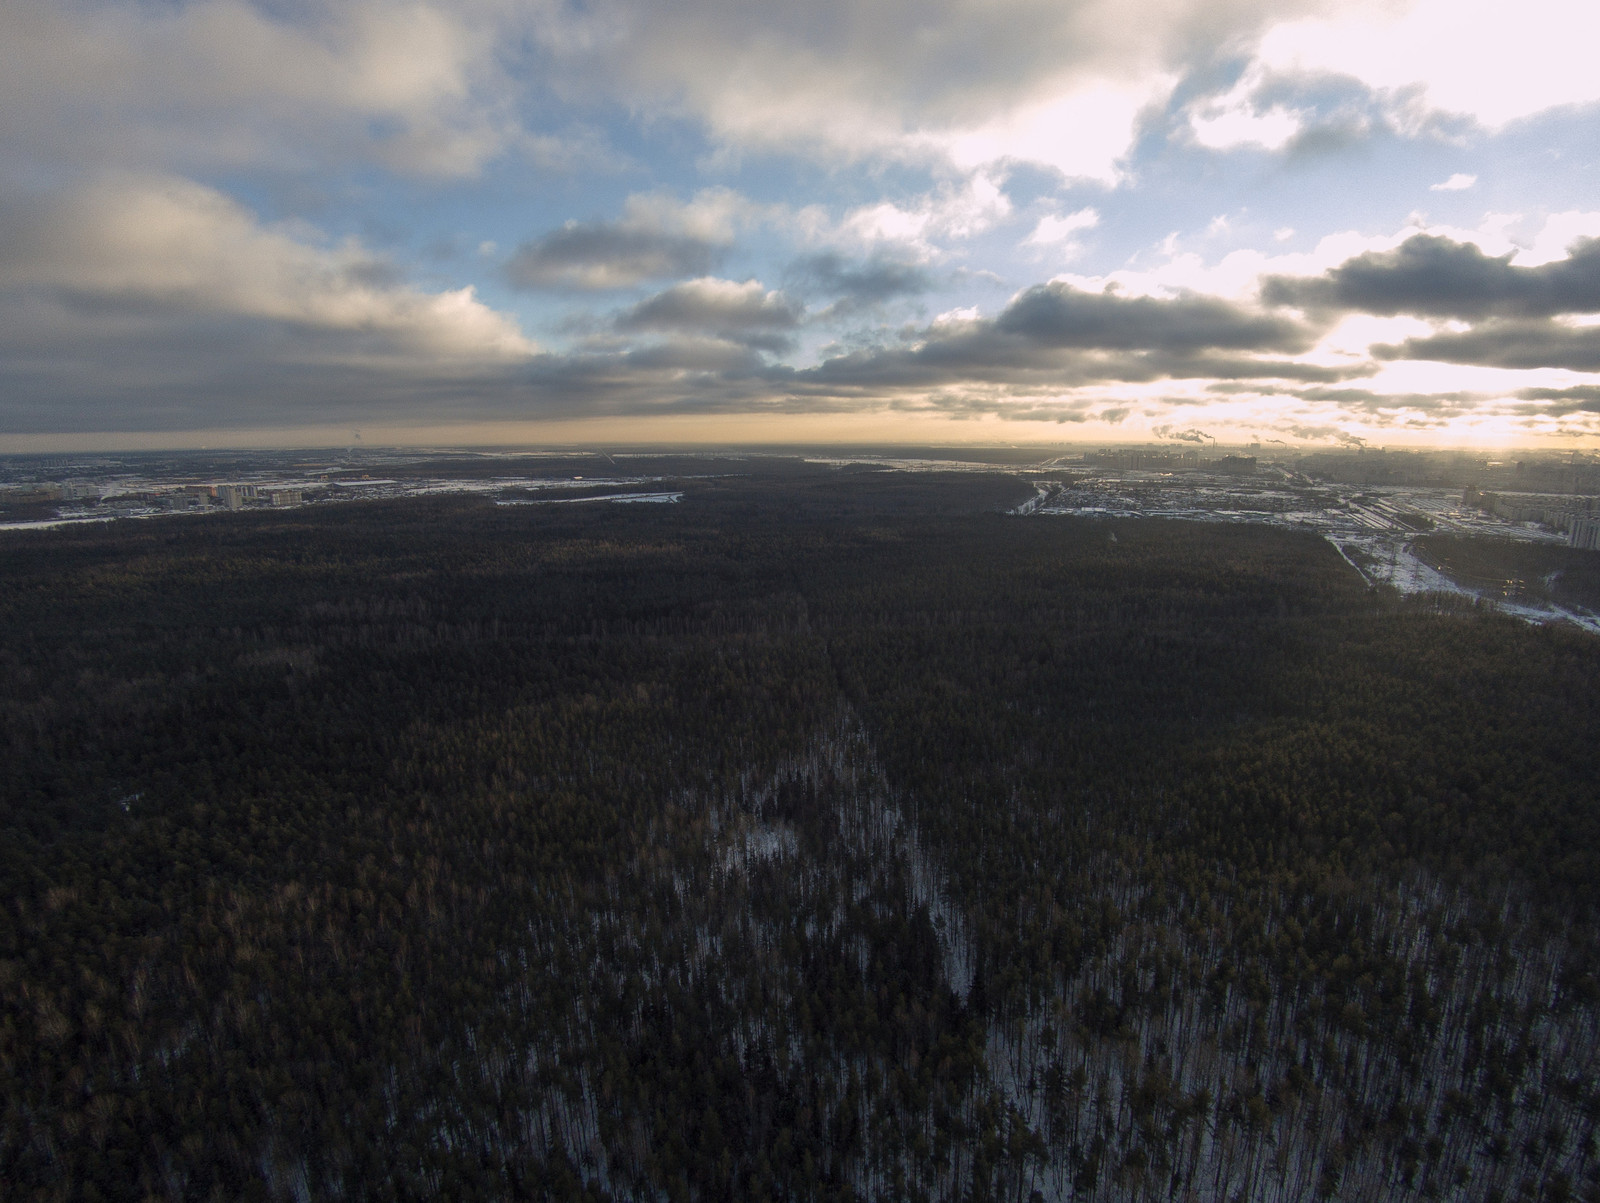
1389, 561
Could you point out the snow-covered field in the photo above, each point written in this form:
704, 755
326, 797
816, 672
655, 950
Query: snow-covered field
1373, 527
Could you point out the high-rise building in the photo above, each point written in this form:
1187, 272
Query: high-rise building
1584, 532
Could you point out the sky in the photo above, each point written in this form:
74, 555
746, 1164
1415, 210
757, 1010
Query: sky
1307, 223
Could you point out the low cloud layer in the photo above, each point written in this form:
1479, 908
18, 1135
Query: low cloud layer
857, 284
657, 238
743, 313
133, 253
138, 286
1436, 277
160, 271
1585, 398
1506, 344
595, 256
1059, 315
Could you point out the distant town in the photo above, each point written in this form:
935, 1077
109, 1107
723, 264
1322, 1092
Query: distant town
38, 492
1371, 504
1374, 506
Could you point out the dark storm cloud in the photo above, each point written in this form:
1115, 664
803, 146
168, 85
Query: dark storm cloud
1506, 344
1054, 335
1437, 277
1057, 315
1584, 398
983, 356
601, 255
1376, 402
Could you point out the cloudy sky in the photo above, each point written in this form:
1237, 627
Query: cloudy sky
1313, 221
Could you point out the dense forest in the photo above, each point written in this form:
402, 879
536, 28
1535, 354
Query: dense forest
1516, 570
830, 834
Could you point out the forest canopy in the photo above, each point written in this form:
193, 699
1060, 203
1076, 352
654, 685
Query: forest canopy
827, 835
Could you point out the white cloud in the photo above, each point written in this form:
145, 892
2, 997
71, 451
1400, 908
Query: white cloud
1059, 83
1083, 132
1235, 118
1059, 230
1488, 59
712, 215
1423, 376
1355, 333
1459, 182
1560, 231
159, 259
953, 212
1226, 129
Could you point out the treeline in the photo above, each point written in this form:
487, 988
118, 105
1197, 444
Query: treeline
828, 835
1515, 569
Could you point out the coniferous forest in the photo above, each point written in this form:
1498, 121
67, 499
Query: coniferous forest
828, 835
